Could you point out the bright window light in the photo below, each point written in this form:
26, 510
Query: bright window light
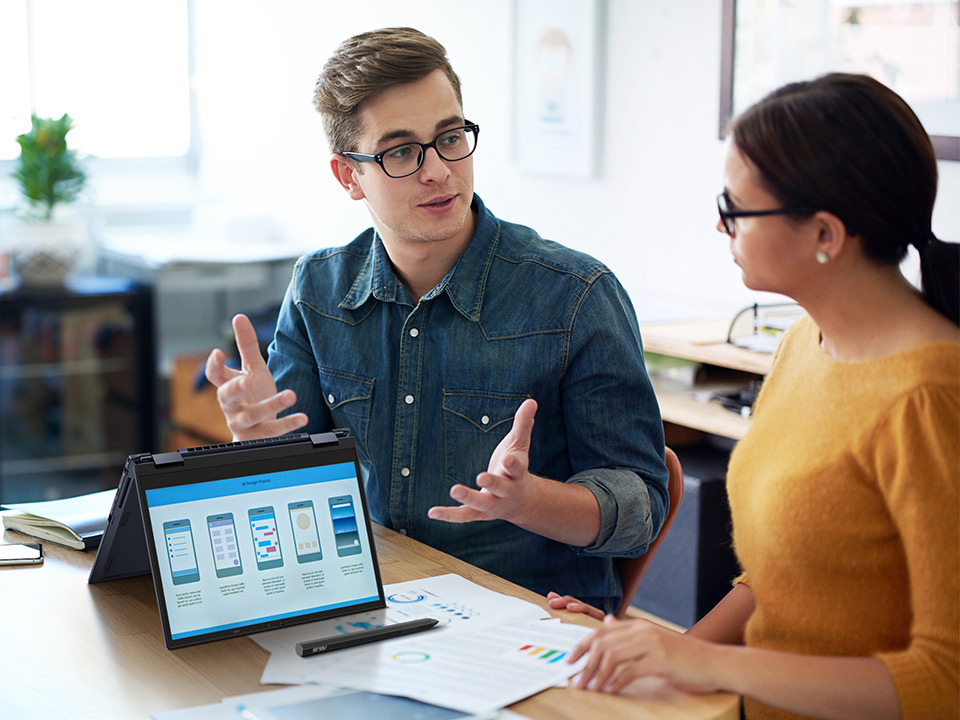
14, 78
119, 68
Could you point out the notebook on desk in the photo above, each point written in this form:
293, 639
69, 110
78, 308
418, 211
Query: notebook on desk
244, 537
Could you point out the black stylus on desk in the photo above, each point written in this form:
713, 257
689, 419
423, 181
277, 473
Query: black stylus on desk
312, 647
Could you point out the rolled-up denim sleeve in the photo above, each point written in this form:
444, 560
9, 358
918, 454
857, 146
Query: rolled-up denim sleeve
614, 428
626, 526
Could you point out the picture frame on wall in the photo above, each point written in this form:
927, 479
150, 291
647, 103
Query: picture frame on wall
557, 93
912, 47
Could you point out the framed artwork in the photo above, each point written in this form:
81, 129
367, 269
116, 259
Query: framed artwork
912, 46
557, 86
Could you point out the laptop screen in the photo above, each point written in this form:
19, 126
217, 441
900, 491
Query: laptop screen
238, 547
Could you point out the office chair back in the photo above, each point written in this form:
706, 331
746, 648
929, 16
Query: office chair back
631, 570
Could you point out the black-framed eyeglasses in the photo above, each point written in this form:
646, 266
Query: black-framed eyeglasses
729, 212
401, 160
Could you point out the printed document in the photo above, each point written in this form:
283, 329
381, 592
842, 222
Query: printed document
475, 671
457, 603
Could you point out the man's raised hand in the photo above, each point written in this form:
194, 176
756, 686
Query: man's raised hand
248, 397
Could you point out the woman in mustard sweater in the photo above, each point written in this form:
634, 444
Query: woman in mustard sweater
844, 493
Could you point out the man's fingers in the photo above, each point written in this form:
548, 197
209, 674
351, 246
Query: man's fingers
272, 428
247, 343
233, 396
475, 506
272, 406
216, 370
483, 502
515, 463
523, 424
286, 424
251, 426
232, 393
462, 514
499, 486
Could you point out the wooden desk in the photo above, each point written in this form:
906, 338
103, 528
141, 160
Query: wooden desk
72, 649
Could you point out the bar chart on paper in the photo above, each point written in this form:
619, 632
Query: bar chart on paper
541, 653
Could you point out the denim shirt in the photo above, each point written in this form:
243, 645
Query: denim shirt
430, 388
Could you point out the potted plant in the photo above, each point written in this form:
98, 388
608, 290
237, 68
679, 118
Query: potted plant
48, 170
46, 242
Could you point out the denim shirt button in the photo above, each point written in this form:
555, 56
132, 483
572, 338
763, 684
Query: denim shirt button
485, 420
402, 531
414, 332
408, 399
331, 399
405, 472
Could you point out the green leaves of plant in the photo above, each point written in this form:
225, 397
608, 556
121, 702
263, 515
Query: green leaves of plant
48, 172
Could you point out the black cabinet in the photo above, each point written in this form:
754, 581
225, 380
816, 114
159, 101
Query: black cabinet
77, 386
695, 566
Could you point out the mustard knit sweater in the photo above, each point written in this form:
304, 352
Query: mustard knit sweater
846, 514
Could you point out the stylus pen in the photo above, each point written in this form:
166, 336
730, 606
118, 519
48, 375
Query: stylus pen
312, 647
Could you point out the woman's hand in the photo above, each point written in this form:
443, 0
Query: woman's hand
571, 604
624, 650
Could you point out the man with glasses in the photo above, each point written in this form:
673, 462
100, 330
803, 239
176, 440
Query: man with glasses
437, 335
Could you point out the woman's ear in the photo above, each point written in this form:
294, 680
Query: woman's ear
346, 174
831, 235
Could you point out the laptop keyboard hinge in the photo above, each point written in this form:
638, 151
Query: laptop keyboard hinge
167, 458
327, 438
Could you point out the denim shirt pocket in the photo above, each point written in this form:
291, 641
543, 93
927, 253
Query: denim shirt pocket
474, 423
348, 397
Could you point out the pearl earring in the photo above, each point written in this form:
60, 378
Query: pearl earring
822, 257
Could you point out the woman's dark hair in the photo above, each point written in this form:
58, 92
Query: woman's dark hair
849, 145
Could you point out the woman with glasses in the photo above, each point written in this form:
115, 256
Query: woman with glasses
844, 493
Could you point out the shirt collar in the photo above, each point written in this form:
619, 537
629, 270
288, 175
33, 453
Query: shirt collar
376, 278
464, 284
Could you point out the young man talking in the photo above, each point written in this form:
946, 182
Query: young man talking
494, 380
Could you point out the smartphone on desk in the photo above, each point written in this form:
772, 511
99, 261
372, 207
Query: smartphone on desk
21, 554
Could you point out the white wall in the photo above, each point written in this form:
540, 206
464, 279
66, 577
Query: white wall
650, 213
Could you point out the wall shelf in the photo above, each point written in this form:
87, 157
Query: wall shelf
705, 343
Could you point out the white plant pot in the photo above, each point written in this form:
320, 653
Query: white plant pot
44, 252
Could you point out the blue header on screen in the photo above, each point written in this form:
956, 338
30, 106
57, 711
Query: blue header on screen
250, 484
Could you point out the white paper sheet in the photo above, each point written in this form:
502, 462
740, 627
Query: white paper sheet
475, 671
459, 604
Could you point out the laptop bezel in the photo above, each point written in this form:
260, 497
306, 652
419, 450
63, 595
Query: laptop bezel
233, 460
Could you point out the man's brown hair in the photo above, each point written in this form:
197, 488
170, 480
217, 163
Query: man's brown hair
366, 64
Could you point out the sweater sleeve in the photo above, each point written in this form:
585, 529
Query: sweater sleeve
918, 464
